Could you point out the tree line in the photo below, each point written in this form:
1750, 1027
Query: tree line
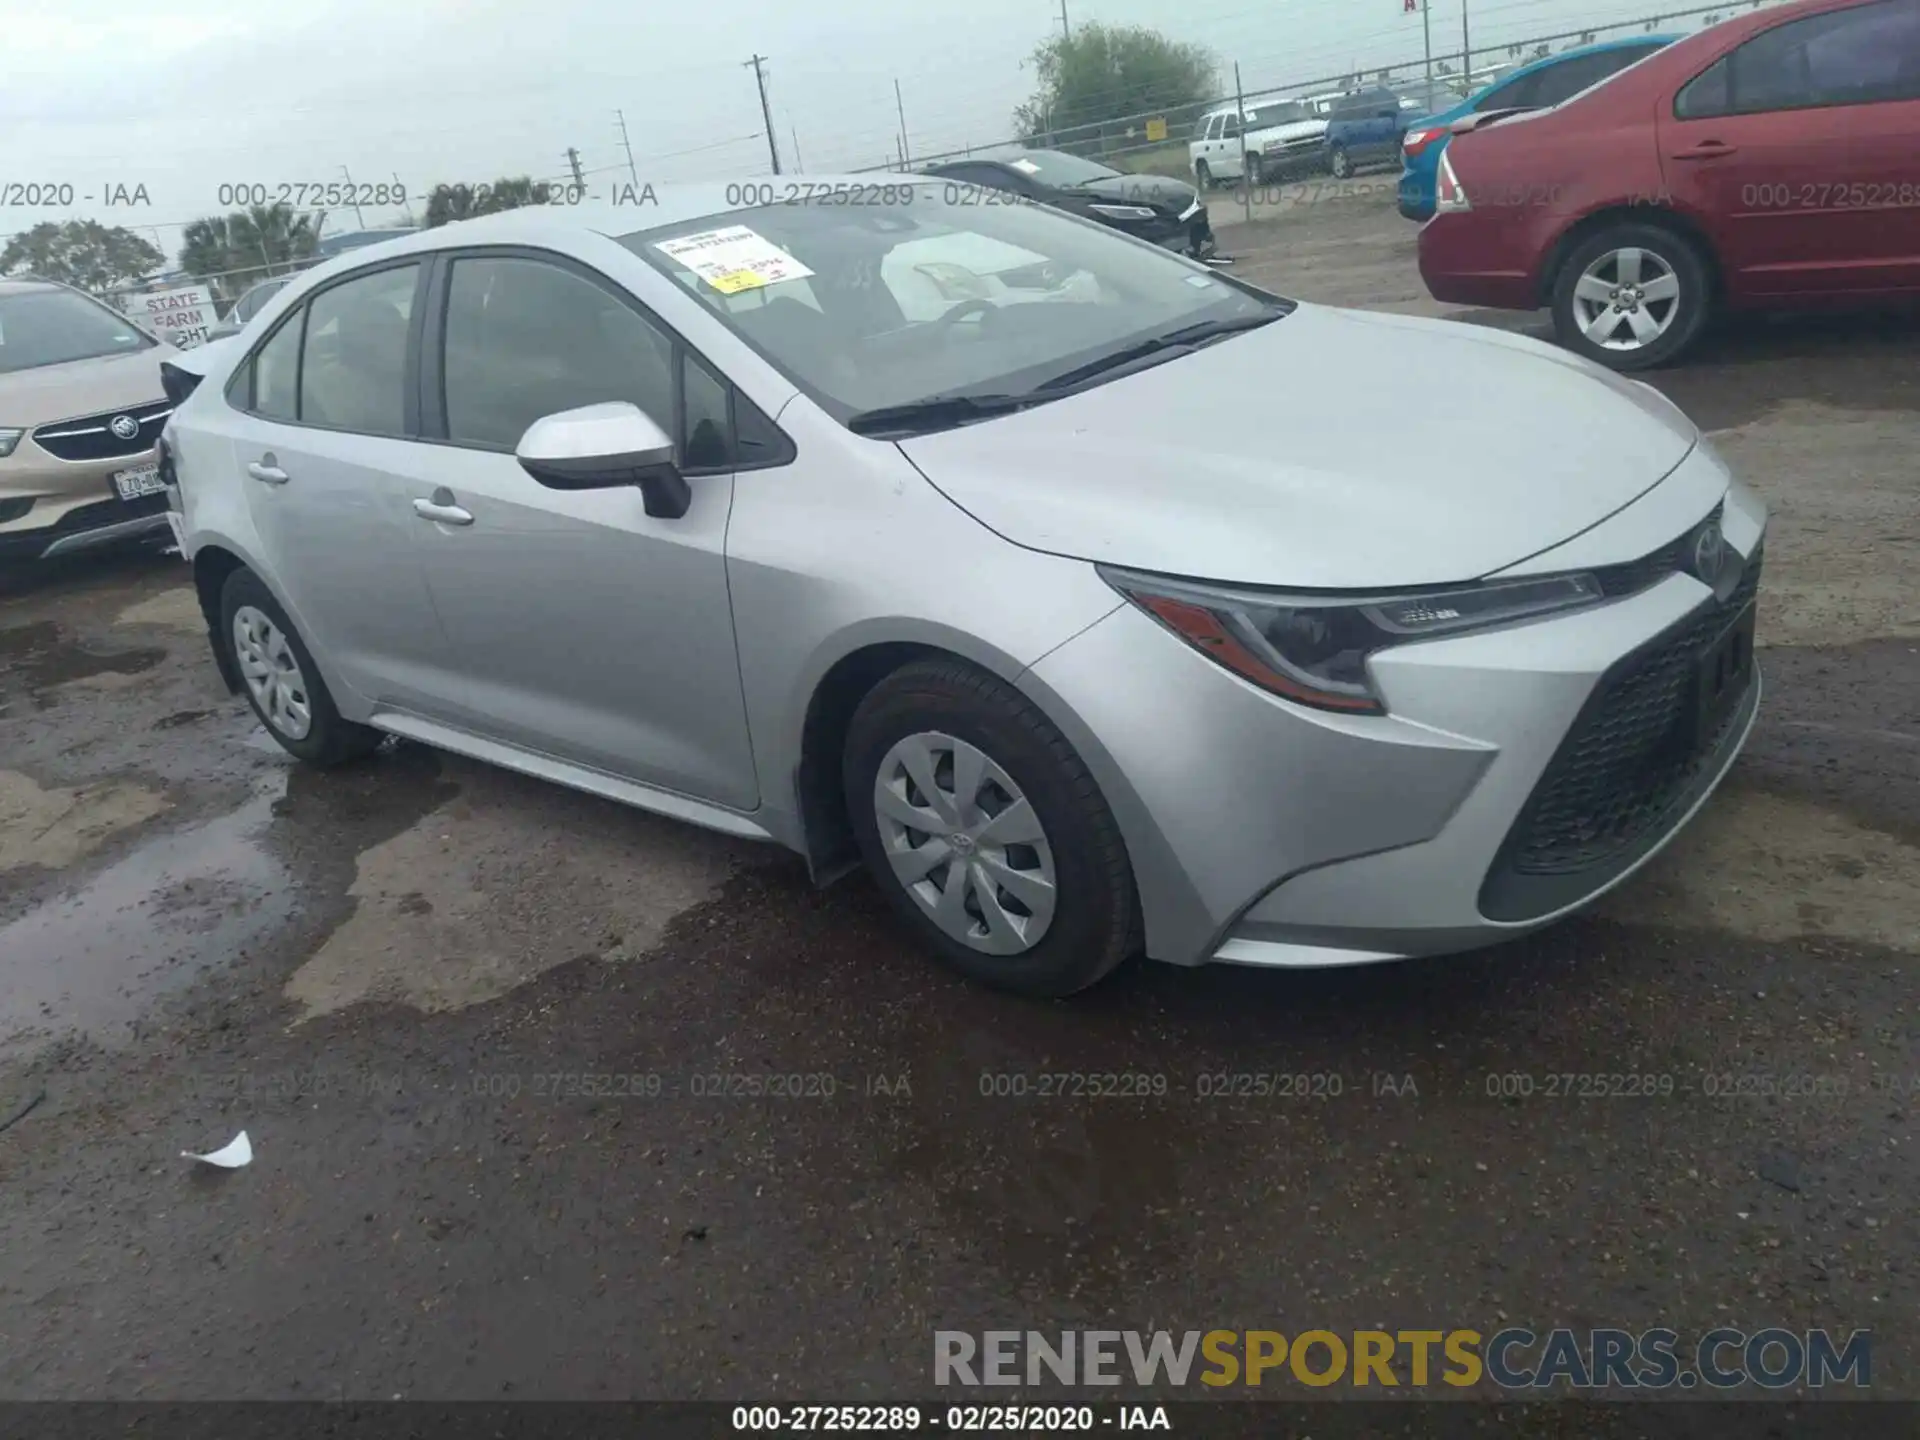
228, 252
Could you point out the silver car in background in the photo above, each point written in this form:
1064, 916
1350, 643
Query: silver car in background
890, 522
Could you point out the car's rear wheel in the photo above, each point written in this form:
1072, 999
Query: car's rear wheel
987, 833
1632, 296
281, 682
1340, 164
1203, 174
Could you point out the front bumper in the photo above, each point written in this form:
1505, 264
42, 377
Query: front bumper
1265, 833
71, 505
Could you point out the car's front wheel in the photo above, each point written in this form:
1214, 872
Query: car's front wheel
1631, 297
1203, 175
986, 831
281, 682
1339, 164
1256, 169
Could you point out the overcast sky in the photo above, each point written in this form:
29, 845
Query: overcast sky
184, 96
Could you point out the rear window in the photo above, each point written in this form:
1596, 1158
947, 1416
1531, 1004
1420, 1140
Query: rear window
52, 327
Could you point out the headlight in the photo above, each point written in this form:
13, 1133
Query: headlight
1314, 649
9, 439
1123, 212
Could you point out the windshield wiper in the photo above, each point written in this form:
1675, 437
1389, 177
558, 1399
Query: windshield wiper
938, 412
1175, 342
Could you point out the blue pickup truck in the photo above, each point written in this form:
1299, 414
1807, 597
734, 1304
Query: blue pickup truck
1366, 127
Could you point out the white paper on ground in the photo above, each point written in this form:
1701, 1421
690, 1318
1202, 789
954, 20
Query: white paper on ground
238, 1152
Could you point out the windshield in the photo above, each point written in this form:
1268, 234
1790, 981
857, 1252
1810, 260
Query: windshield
1290, 112
1056, 167
940, 293
51, 327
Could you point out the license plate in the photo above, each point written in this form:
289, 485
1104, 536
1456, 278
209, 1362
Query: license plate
140, 480
1721, 677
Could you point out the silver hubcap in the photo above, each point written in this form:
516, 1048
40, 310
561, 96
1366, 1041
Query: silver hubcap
1627, 299
272, 673
965, 843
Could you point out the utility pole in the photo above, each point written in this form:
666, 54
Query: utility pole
766, 111
573, 164
632, 174
356, 209
1065, 33
1426, 24
406, 202
1466, 50
1240, 113
906, 152
799, 165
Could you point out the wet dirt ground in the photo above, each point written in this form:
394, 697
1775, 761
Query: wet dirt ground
474, 1026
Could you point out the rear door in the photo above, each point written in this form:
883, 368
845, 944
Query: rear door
590, 630
323, 429
1798, 150
1377, 128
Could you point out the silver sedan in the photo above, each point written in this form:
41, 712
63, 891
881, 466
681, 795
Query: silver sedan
1062, 580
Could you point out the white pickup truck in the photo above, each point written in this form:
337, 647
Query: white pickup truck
1283, 137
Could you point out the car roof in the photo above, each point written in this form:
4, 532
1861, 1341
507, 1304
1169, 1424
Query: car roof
28, 285
1547, 62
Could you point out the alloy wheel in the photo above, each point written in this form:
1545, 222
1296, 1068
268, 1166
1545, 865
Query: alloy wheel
272, 672
1626, 299
965, 843
1341, 164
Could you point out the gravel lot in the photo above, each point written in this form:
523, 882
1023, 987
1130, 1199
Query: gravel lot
373, 972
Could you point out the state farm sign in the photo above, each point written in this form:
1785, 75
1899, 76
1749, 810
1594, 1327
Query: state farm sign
180, 317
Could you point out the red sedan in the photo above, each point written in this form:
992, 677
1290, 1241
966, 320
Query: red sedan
1771, 162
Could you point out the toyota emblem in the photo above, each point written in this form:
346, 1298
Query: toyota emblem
1709, 552
124, 427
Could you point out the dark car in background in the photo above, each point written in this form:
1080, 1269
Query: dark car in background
1155, 208
1366, 127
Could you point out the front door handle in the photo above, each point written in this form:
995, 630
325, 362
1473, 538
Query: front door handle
1706, 150
442, 508
267, 470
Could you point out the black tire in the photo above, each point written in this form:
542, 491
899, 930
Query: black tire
1339, 164
1095, 921
1673, 251
329, 740
1202, 175
1256, 171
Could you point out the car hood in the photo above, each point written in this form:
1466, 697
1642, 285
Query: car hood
1293, 130
82, 387
1168, 194
1332, 449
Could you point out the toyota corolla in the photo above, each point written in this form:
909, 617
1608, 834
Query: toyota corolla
888, 523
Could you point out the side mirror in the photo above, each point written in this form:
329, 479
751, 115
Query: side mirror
602, 447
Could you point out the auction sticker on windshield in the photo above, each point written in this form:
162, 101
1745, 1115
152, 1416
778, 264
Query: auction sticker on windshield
733, 259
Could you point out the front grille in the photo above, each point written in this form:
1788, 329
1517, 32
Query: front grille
1636, 575
1624, 768
91, 437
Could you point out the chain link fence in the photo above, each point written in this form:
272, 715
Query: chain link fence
1156, 139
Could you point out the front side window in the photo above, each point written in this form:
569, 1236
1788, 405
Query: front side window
353, 369
527, 338
871, 307
54, 326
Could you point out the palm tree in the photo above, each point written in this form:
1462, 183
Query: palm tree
233, 251
447, 203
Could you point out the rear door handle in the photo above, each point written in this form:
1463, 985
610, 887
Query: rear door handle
442, 509
1706, 150
267, 471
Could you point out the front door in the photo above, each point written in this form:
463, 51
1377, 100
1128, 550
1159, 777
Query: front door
587, 630
1798, 149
